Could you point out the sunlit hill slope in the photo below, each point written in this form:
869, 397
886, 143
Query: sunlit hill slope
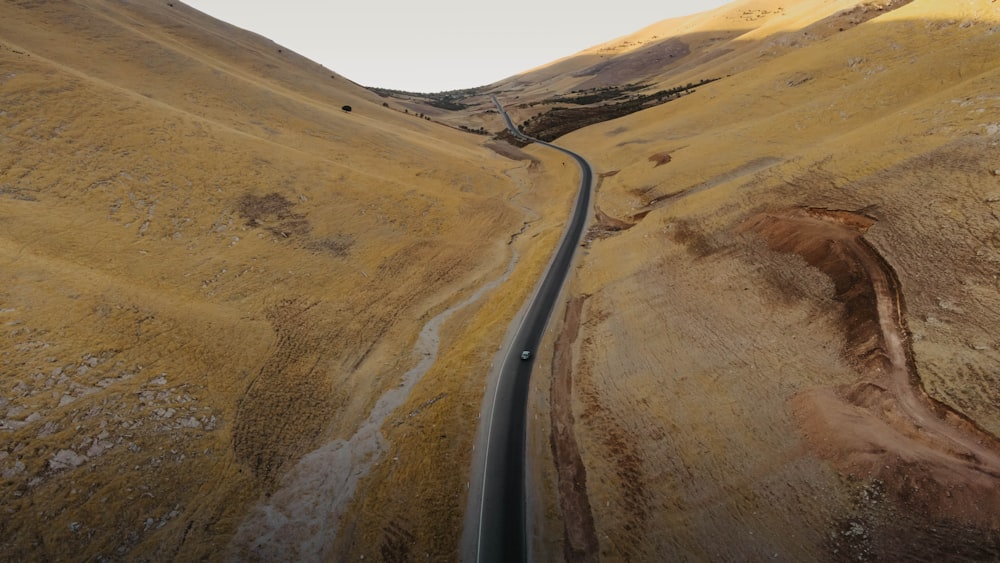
780, 340
209, 268
226, 274
784, 323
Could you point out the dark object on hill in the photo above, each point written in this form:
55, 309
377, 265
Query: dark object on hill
558, 121
346, 108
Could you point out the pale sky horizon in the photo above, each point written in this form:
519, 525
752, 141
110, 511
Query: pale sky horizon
440, 45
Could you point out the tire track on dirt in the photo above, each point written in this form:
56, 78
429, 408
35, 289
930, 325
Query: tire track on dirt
280, 415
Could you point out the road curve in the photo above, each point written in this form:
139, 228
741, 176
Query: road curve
495, 524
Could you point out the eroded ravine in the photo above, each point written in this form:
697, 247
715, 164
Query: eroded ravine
300, 520
884, 426
579, 532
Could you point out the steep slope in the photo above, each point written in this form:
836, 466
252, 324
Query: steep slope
780, 343
671, 54
784, 316
209, 269
740, 374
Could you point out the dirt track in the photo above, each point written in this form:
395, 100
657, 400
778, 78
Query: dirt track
885, 426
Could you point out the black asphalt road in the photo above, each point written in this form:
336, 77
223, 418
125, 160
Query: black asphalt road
501, 534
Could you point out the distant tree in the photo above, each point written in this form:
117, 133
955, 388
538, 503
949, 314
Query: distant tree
346, 108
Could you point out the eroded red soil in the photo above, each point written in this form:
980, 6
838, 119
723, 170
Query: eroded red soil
579, 534
929, 457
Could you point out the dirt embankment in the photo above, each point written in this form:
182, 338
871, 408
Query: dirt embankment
579, 533
604, 225
929, 457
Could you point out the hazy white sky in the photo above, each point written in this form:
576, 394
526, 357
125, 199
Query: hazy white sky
437, 45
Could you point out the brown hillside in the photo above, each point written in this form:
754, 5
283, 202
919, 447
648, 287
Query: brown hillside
820, 389
208, 269
733, 397
243, 323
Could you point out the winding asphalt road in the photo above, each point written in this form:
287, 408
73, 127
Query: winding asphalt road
495, 524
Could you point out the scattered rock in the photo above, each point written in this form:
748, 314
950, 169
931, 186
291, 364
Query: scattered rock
190, 422
98, 448
11, 424
66, 459
11, 472
165, 413
798, 79
48, 428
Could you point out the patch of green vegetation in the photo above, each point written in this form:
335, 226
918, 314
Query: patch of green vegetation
450, 100
559, 121
595, 95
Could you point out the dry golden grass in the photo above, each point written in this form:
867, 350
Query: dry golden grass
209, 269
432, 434
695, 339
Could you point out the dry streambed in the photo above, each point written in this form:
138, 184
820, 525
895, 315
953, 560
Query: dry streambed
301, 519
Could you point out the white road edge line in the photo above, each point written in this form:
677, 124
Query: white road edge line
489, 429
503, 366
